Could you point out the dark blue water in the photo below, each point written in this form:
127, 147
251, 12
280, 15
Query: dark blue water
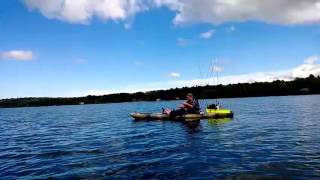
269, 136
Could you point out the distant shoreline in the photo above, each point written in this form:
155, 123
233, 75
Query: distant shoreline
299, 86
156, 101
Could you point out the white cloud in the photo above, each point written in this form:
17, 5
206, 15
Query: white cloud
183, 41
207, 35
187, 11
82, 11
311, 60
309, 67
268, 11
172, 4
216, 68
174, 74
231, 29
98, 92
19, 55
128, 25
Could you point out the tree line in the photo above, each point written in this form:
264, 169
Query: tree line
299, 86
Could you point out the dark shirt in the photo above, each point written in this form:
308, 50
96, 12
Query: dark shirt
195, 106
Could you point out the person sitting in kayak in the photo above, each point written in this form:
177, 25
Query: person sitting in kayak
191, 106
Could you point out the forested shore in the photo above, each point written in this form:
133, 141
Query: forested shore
299, 86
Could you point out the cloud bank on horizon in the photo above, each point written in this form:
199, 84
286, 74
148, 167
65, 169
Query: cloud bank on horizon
310, 66
284, 12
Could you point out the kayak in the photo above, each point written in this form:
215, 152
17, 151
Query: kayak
213, 114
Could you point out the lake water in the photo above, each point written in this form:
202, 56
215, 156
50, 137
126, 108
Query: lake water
269, 136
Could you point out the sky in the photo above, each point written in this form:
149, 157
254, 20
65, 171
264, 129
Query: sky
67, 48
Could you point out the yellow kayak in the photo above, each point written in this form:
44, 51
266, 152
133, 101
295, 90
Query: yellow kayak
210, 114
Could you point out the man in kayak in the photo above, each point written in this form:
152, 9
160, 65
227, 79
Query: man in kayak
191, 106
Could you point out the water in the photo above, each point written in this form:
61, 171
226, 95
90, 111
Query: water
269, 136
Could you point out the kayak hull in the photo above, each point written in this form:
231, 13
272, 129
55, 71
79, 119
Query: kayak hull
161, 116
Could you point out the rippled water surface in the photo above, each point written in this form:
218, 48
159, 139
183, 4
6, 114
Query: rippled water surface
269, 136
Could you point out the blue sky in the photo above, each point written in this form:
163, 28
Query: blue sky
76, 49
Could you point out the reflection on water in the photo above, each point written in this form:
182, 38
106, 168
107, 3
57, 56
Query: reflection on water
217, 122
192, 126
275, 137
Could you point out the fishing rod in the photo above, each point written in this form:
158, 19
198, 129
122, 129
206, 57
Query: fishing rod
209, 78
217, 80
214, 78
204, 83
201, 83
